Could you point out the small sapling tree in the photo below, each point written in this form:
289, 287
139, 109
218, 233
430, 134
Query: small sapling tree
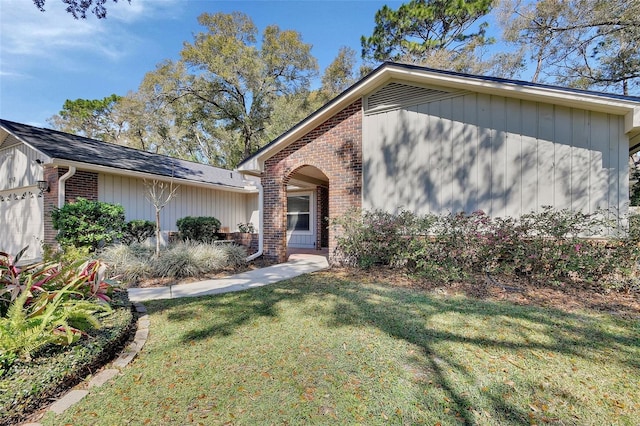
159, 194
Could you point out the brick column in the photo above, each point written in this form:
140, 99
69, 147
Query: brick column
50, 202
82, 184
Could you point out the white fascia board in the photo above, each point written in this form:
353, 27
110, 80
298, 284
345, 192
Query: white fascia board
44, 158
251, 167
142, 175
632, 120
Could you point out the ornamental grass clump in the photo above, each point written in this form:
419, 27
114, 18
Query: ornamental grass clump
128, 263
549, 246
133, 263
189, 259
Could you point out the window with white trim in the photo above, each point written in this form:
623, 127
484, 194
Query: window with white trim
299, 212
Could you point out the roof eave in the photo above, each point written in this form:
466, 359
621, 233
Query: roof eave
255, 164
143, 175
389, 71
547, 94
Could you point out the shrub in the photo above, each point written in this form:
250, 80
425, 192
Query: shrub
66, 255
373, 238
47, 304
202, 228
87, 223
183, 259
548, 246
128, 263
137, 231
236, 255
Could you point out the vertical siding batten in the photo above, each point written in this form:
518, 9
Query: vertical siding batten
189, 201
513, 151
504, 156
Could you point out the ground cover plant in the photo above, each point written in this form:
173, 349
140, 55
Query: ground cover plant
55, 323
136, 262
355, 348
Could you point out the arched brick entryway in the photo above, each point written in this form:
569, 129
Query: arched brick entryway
307, 208
335, 150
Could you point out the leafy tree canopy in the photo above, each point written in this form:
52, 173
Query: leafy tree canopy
439, 33
229, 83
79, 8
579, 43
90, 118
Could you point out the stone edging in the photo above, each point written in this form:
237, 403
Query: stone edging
110, 371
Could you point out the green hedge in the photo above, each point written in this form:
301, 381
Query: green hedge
549, 246
137, 231
201, 228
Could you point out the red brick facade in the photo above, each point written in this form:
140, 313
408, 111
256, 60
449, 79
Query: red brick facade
334, 148
82, 184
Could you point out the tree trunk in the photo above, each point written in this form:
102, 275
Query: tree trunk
157, 232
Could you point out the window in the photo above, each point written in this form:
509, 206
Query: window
299, 213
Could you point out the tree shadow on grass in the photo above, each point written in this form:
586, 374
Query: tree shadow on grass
410, 315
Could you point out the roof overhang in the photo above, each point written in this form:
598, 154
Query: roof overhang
56, 162
592, 101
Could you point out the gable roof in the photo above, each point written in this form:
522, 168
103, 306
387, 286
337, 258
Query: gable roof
626, 106
71, 150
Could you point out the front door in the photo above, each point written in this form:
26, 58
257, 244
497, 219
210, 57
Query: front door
301, 226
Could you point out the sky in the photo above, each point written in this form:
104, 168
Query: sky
47, 58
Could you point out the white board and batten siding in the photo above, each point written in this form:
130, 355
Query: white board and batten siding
506, 157
230, 208
21, 206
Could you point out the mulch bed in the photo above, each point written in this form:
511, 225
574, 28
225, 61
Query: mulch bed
566, 296
167, 281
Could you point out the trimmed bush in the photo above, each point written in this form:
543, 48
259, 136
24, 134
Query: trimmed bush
138, 231
85, 223
549, 246
201, 228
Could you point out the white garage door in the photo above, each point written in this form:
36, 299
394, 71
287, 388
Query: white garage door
21, 223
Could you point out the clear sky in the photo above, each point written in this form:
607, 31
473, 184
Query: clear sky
46, 58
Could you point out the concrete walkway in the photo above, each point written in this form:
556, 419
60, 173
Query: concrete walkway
297, 264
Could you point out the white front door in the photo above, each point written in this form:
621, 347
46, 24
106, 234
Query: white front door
301, 224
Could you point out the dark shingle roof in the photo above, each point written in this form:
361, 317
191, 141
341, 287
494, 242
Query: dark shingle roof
65, 146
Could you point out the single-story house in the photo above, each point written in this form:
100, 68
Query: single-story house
41, 169
403, 137
430, 141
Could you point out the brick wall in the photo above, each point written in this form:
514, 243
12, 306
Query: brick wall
335, 148
82, 184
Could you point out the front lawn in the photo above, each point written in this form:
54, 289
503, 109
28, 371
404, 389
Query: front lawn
332, 349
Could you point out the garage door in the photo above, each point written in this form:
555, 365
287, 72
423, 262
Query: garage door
21, 223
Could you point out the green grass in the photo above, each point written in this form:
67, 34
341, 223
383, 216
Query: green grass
321, 350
